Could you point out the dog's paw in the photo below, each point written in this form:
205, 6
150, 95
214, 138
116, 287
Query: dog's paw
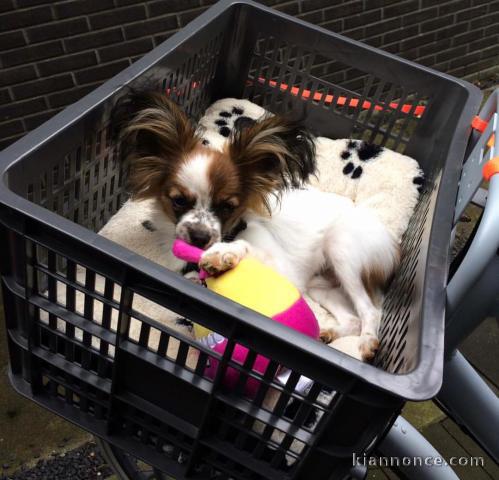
368, 346
328, 335
219, 258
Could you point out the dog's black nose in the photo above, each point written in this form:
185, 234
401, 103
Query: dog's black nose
199, 238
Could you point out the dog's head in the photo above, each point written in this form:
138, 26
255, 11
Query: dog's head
203, 191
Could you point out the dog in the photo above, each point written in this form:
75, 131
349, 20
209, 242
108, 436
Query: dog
255, 192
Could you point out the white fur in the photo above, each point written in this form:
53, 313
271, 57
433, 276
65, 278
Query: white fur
193, 174
309, 231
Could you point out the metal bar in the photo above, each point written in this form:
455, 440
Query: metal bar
471, 402
477, 303
480, 253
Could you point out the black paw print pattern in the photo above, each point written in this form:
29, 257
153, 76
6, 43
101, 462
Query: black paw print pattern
419, 181
229, 120
365, 151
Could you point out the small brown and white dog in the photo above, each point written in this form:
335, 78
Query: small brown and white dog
320, 241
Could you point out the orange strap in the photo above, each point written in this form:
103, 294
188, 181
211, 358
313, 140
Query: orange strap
478, 124
490, 168
354, 102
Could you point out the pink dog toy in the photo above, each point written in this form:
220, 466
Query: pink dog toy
256, 286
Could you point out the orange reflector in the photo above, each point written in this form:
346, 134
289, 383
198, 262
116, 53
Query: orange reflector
490, 168
492, 141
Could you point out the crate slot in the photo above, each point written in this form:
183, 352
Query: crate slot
72, 392
73, 369
263, 415
172, 336
73, 319
242, 433
79, 287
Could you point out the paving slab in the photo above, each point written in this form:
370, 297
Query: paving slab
449, 447
471, 447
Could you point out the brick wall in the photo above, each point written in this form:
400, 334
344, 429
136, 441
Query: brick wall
54, 52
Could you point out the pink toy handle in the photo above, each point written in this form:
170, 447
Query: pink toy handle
188, 253
185, 251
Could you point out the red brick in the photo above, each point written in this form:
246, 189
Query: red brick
102, 72
81, 7
19, 109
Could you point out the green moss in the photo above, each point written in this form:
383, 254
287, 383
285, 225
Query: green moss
422, 414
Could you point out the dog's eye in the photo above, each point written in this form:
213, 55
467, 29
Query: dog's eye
179, 202
225, 209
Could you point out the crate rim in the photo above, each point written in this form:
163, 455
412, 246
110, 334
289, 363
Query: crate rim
430, 365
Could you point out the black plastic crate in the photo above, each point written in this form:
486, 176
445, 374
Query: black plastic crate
63, 181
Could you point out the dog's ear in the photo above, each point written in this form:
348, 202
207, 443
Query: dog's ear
153, 134
272, 155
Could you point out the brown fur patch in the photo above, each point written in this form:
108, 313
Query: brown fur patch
224, 178
328, 335
156, 137
271, 155
168, 192
368, 348
376, 278
330, 276
228, 199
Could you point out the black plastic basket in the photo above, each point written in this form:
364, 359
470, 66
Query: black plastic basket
62, 182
